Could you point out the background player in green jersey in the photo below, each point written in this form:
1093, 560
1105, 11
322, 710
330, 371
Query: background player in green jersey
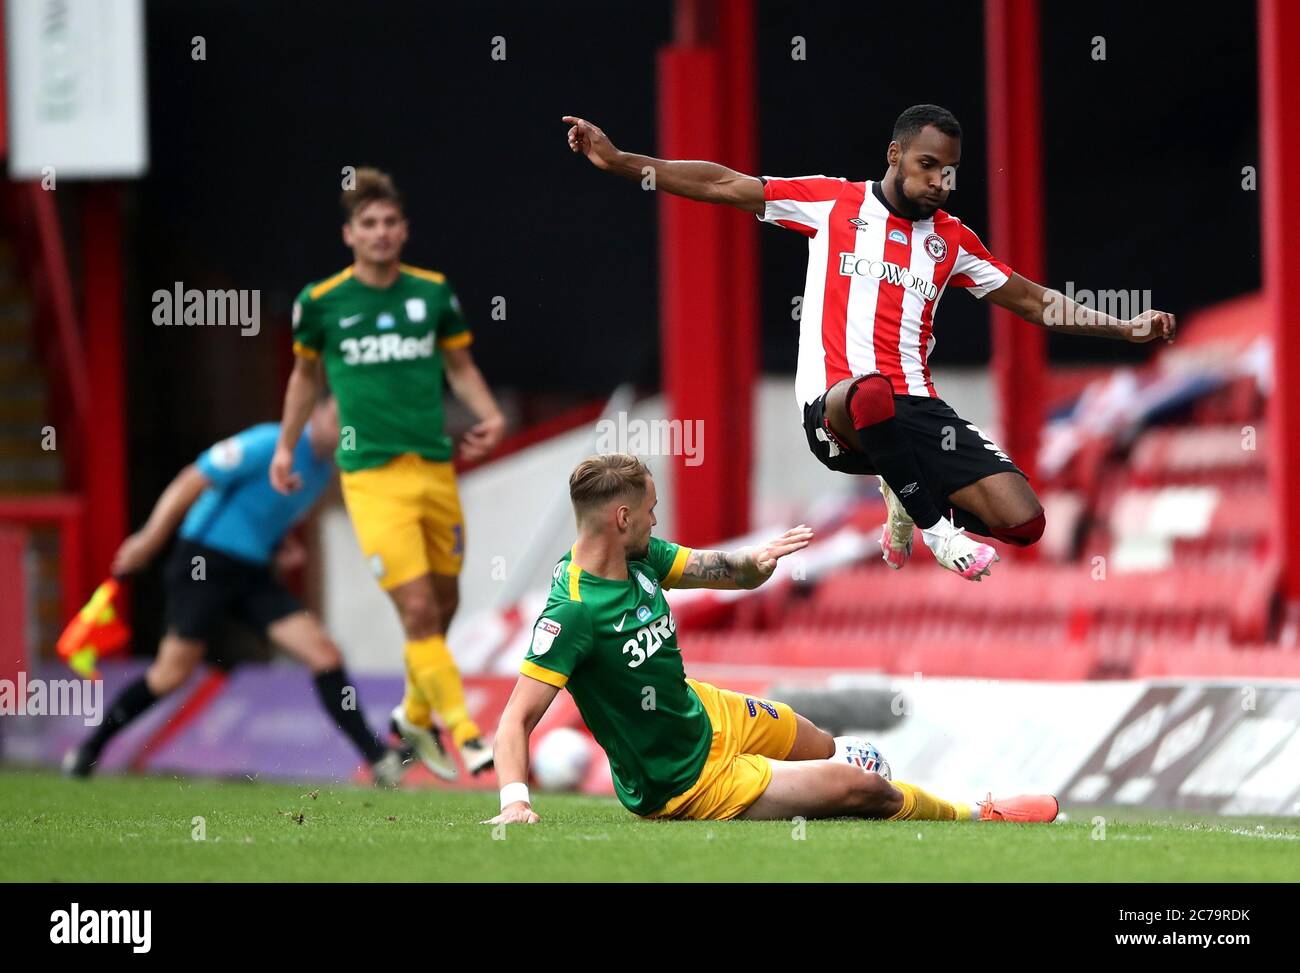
679, 748
386, 334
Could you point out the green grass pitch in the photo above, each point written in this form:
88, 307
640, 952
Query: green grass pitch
141, 829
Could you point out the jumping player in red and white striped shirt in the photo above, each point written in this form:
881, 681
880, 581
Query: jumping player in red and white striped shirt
880, 256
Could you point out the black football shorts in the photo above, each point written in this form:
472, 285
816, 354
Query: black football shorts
201, 594
951, 452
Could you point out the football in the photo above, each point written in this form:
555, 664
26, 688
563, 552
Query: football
861, 753
561, 759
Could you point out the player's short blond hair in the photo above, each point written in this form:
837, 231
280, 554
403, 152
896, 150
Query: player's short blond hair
370, 185
605, 477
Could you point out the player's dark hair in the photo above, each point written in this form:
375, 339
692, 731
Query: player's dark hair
369, 185
598, 479
910, 123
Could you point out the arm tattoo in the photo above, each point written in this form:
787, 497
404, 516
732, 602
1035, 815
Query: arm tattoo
708, 565
712, 566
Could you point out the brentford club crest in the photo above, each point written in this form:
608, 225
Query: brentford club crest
937, 247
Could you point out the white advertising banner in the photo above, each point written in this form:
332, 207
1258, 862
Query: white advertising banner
76, 88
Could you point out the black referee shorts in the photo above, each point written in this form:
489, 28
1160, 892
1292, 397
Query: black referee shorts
226, 587
951, 452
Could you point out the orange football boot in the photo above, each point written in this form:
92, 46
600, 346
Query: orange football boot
1024, 808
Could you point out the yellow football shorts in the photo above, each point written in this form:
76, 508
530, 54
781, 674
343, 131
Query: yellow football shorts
747, 732
407, 518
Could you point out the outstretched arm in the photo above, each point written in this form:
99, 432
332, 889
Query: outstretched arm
747, 567
707, 182
141, 547
1051, 309
527, 705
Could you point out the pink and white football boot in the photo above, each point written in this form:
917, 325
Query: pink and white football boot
957, 552
896, 535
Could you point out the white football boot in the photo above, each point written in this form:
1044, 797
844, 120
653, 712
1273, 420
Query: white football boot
896, 535
477, 754
78, 762
426, 744
388, 769
957, 552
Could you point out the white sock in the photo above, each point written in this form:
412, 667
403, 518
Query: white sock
937, 532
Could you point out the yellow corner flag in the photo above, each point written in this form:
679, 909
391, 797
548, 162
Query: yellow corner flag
97, 630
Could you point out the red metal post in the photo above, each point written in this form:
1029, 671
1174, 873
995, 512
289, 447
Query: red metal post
1013, 79
742, 314
1279, 180
14, 609
691, 282
708, 267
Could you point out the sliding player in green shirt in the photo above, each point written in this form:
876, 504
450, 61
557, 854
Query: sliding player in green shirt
679, 748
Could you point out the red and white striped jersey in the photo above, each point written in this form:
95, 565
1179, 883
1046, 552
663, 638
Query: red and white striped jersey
874, 281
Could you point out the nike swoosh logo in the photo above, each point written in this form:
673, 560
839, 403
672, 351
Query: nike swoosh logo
349, 321
621, 622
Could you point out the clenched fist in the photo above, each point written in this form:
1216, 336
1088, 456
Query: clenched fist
1150, 325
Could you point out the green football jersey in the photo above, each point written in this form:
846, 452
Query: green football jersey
613, 645
382, 350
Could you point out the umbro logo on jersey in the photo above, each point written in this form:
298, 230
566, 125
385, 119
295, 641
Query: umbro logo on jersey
350, 320
860, 223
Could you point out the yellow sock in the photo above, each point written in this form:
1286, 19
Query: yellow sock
919, 805
432, 669
414, 704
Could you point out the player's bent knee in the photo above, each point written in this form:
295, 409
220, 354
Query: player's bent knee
870, 400
853, 792
326, 656
837, 418
1022, 535
165, 677
872, 794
